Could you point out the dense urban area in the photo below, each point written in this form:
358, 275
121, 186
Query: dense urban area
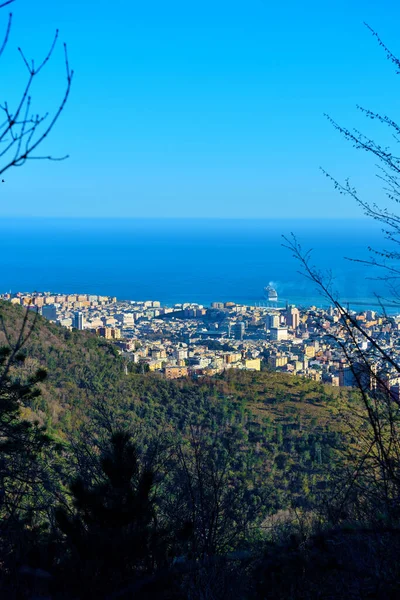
191, 340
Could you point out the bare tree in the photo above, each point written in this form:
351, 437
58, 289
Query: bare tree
22, 131
388, 172
373, 462
369, 479
25, 477
218, 492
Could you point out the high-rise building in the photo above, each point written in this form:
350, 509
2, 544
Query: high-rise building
219, 305
78, 320
110, 333
293, 317
272, 320
49, 312
239, 329
358, 375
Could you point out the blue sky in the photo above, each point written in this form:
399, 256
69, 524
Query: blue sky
201, 109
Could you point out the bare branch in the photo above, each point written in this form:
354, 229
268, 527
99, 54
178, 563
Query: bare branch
21, 133
7, 34
389, 55
15, 130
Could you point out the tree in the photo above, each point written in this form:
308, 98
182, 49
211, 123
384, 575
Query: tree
20, 440
370, 481
21, 134
388, 172
26, 479
110, 534
22, 130
218, 492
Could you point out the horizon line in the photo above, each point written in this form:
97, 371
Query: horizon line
170, 218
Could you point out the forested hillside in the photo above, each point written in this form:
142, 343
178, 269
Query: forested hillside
289, 423
209, 488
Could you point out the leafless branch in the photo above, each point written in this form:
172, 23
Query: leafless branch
389, 55
22, 132
7, 33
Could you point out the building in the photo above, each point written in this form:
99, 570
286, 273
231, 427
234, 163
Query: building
173, 372
277, 360
395, 393
65, 322
232, 357
309, 351
272, 321
253, 364
49, 312
127, 345
194, 312
293, 317
38, 301
109, 333
239, 329
279, 333
128, 319
218, 305
155, 365
358, 375
180, 353
78, 320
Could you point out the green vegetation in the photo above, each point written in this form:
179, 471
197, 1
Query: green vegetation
181, 489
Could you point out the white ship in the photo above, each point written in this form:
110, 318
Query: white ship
270, 293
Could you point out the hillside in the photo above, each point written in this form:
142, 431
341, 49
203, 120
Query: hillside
241, 462
82, 368
79, 366
291, 425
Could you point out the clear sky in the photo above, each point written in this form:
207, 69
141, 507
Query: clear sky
200, 109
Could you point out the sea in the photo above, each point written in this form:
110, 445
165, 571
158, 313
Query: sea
192, 260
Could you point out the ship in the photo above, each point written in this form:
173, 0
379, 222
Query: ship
270, 293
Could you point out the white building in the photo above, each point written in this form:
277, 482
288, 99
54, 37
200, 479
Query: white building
279, 333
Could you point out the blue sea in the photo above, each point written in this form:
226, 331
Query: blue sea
181, 260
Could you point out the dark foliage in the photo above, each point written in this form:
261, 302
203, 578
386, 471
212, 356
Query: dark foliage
110, 534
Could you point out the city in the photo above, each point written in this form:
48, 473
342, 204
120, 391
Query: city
193, 340
200, 301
